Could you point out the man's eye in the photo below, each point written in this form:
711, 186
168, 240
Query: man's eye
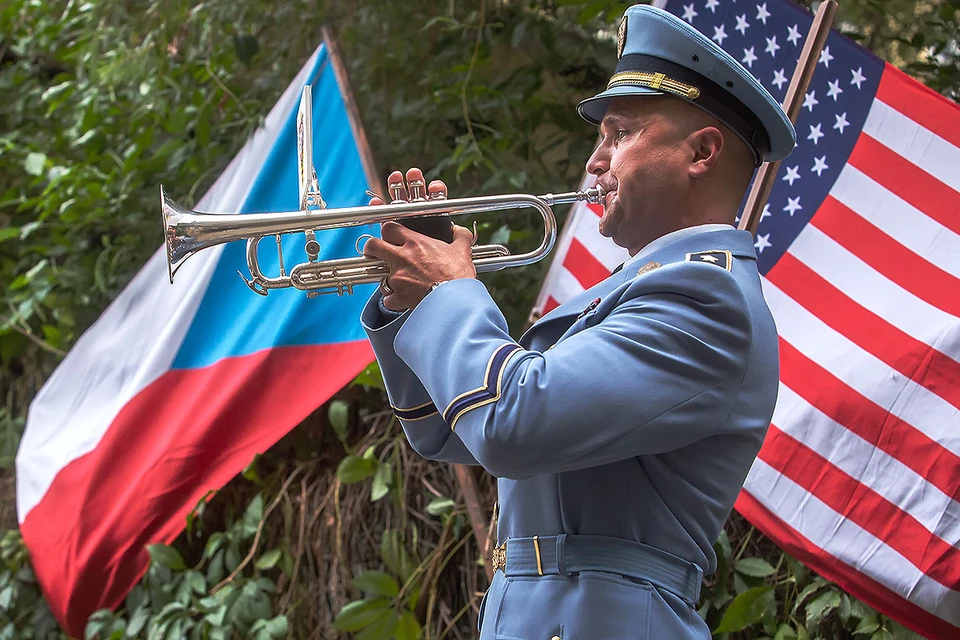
620, 135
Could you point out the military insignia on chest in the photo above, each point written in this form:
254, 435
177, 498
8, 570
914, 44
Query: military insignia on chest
717, 257
647, 268
590, 307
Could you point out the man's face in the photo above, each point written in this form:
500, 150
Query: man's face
641, 165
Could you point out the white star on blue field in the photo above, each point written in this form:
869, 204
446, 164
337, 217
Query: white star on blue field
767, 37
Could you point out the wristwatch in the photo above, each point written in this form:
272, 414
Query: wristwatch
435, 285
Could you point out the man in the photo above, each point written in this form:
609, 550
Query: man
622, 425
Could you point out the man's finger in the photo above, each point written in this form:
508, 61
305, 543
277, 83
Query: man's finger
396, 187
416, 186
437, 190
394, 233
462, 235
377, 248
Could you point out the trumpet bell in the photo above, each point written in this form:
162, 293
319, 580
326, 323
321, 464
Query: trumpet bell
176, 223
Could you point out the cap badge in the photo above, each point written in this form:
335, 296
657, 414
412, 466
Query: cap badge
621, 37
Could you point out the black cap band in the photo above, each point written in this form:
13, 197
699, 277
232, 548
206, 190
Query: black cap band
712, 98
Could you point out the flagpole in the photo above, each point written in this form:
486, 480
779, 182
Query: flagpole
350, 103
802, 75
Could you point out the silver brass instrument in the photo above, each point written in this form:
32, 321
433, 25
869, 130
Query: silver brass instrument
187, 232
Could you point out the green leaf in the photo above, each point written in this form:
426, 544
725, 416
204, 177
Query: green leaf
252, 471
440, 506
817, 584
747, 609
138, 621
722, 546
198, 584
754, 567
354, 469
338, 413
395, 555
359, 613
371, 377
7, 233
253, 515
269, 559
97, 622
381, 628
785, 632
408, 627
821, 606
267, 629
377, 583
381, 481
34, 164
166, 556
278, 627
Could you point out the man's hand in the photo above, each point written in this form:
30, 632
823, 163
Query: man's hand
417, 261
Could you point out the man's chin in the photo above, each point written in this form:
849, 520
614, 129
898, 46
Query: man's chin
607, 225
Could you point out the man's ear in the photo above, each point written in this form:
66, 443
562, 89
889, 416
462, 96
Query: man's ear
707, 145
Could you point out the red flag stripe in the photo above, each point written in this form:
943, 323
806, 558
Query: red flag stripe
596, 208
550, 305
918, 361
884, 254
921, 104
868, 420
908, 181
583, 265
848, 578
872, 512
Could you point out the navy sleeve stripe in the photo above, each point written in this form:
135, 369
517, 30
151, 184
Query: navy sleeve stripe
416, 413
486, 394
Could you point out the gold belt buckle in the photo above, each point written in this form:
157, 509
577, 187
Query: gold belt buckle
499, 558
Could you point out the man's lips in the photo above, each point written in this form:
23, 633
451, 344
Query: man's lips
607, 196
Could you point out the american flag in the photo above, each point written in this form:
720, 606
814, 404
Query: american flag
860, 253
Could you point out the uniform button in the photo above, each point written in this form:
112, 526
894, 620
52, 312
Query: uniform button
556, 638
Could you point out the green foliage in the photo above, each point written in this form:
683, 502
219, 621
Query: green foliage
106, 100
228, 594
23, 612
784, 601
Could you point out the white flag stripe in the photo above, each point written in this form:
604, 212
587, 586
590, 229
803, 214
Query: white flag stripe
920, 146
115, 338
46, 448
848, 542
872, 290
603, 249
863, 372
566, 286
899, 219
883, 473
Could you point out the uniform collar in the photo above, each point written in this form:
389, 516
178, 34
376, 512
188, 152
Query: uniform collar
675, 236
666, 249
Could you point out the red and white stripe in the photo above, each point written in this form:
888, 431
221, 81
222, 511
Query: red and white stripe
860, 474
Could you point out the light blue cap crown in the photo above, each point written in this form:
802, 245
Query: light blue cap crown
660, 54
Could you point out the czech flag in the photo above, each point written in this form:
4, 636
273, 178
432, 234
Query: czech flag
176, 387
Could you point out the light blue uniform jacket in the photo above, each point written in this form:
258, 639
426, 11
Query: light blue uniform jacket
637, 419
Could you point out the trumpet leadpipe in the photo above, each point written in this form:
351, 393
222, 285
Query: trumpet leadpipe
187, 232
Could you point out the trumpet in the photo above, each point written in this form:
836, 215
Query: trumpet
186, 232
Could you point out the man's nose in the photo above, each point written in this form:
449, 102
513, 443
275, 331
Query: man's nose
599, 161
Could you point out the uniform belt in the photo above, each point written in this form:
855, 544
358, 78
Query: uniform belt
565, 555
